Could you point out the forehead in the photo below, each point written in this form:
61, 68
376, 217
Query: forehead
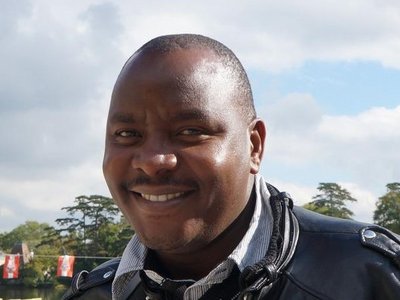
185, 77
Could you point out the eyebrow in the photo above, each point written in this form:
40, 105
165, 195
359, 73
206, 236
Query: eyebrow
186, 115
122, 117
192, 114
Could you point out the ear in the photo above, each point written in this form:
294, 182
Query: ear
257, 138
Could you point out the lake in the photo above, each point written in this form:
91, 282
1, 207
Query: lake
7, 292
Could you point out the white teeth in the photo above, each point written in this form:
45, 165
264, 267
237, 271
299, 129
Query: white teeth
161, 198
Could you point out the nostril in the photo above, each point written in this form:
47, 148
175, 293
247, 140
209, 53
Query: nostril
154, 163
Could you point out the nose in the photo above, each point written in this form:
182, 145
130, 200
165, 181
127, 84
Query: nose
154, 159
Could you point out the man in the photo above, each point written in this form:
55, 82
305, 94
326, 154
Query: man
183, 149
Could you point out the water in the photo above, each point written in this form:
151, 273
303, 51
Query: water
14, 292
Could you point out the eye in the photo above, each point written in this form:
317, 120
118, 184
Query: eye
127, 136
191, 131
127, 133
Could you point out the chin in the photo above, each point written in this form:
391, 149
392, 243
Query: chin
163, 242
177, 240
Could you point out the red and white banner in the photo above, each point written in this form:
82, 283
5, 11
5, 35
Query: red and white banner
11, 267
65, 266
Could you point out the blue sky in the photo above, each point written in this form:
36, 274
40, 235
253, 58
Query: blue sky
325, 76
340, 87
343, 87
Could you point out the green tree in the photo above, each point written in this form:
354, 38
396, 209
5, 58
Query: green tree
387, 212
42, 240
94, 227
85, 220
41, 270
331, 201
31, 233
115, 237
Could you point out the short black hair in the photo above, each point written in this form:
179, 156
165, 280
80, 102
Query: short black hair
169, 43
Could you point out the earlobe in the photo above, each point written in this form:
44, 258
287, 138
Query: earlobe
257, 139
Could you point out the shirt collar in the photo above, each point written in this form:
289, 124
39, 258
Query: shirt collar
254, 244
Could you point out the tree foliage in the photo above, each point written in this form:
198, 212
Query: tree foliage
387, 212
93, 227
331, 201
87, 215
86, 219
40, 270
31, 232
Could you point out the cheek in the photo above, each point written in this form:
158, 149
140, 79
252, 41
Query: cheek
115, 158
206, 162
232, 155
222, 155
223, 159
115, 167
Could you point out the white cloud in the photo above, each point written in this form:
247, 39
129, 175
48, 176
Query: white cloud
376, 123
42, 199
365, 205
6, 212
300, 132
274, 35
291, 123
366, 144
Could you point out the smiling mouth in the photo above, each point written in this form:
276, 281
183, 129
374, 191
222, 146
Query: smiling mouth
162, 197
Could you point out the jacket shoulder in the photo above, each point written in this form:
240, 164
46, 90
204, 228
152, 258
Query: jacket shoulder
370, 236
345, 259
97, 281
310, 221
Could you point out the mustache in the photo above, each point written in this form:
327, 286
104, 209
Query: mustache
165, 180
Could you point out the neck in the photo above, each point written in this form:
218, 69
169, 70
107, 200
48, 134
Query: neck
199, 264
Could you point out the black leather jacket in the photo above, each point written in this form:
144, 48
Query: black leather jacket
319, 257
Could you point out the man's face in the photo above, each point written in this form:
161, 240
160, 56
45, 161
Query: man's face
178, 152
